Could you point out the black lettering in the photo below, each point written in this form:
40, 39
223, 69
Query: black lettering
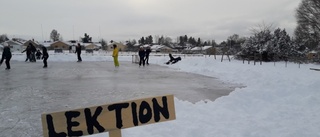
70, 124
92, 120
52, 132
117, 108
134, 113
157, 109
144, 118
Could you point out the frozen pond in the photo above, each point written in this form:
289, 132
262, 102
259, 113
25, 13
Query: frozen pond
28, 90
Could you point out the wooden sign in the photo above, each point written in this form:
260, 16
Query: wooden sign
108, 118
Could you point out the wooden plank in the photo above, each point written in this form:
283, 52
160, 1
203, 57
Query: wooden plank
115, 133
109, 117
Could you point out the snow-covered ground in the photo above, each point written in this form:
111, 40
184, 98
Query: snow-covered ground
278, 100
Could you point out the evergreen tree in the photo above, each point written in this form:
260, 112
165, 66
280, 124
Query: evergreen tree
54, 35
86, 38
103, 44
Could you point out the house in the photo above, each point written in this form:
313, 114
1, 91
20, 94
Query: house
200, 50
120, 46
162, 48
60, 45
93, 46
313, 56
34, 43
14, 45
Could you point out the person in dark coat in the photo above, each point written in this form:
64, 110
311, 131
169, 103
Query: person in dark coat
148, 51
45, 56
142, 54
28, 52
78, 51
38, 54
6, 55
33, 53
173, 60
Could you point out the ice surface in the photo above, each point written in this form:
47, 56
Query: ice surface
28, 90
277, 100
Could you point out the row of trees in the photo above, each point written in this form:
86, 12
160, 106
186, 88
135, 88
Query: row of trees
270, 46
278, 45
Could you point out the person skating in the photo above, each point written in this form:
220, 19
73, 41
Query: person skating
28, 52
38, 54
33, 53
45, 57
142, 54
148, 51
78, 51
115, 55
6, 55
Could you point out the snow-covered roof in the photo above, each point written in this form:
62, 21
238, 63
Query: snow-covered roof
20, 40
12, 43
201, 48
154, 47
67, 43
206, 47
146, 45
46, 44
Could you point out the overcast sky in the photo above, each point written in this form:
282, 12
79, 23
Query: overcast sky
122, 20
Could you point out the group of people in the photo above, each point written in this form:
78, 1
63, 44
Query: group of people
144, 55
30, 55
31, 52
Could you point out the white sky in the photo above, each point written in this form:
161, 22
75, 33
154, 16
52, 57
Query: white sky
131, 19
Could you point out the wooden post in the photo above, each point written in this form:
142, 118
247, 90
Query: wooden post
115, 133
222, 57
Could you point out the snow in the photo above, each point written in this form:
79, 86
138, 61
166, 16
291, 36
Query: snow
278, 100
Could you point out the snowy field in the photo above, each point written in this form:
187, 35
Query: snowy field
278, 100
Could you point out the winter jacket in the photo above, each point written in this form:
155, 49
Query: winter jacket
115, 52
148, 51
142, 53
45, 52
27, 50
6, 53
78, 49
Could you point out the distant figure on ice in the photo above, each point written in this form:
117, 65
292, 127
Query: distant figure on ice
45, 56
148, 51
115, 55
173, 60
33, 53
6, 55
78, 51
28, 52
38, 54
142, 54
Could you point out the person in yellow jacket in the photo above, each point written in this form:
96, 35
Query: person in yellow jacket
115, 55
